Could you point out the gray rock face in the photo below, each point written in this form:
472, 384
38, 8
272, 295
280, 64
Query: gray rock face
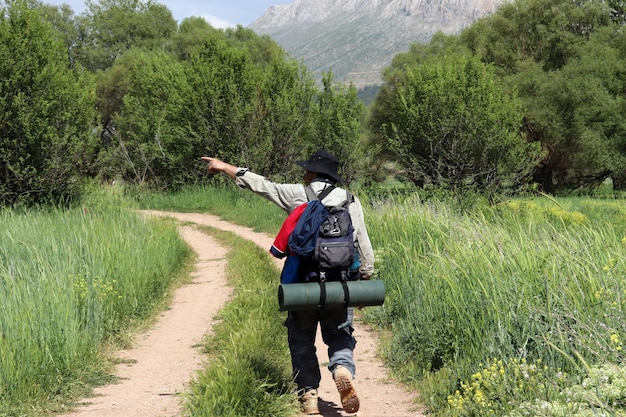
357, 39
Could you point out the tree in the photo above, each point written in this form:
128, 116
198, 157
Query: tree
566, 60
545, 31
249, 108
283, 115
229, 93
337, 128
46, 111
618, 10
224, 87
455, 126
192, 33
578, 114
233, 95
147, 143
111, 27
63, 20
382, 109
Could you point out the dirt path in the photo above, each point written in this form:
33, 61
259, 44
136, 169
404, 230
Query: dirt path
165, 359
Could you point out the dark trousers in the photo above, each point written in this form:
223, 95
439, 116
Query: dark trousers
336, 329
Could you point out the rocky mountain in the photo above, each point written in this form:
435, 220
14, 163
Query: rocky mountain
357, 39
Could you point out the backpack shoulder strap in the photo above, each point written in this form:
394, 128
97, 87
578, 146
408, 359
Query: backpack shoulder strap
310, 194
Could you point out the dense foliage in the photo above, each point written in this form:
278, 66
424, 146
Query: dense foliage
465, 111
165, 94
567, 62
110, 28
454, 126
46, 112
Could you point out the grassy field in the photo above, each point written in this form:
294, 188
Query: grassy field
513, 309
227, 201
71, 283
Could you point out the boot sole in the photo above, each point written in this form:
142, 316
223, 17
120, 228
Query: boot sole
349, 399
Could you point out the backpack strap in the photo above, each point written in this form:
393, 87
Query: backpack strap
349, 199
346, 291
310, 194
322, 284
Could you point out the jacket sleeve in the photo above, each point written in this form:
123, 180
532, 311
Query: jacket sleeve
285, 196
364, 245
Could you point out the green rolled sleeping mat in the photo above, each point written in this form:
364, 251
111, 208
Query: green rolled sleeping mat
331, 294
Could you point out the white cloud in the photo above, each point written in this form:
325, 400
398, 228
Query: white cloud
216, 22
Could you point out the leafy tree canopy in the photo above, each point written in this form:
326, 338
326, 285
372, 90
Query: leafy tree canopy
46, 111
457, 127
109, 28
566, 60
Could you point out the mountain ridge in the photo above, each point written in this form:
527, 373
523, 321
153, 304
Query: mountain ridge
357, 39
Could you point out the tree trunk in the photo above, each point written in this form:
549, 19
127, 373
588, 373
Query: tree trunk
619, 182
543, 176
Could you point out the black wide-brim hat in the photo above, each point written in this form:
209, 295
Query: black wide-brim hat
322, 162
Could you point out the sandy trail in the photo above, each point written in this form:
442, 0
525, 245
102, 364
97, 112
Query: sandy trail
167, 357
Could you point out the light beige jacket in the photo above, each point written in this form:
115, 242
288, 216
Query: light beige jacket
290, 196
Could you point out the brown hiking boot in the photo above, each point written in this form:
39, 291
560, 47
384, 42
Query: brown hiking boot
308, 402
343, 380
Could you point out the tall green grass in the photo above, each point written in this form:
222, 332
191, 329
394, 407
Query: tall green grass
518, 283
70, 281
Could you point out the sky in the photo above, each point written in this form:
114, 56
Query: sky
219, 13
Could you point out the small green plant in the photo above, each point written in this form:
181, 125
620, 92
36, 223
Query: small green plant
494, 389
602, 392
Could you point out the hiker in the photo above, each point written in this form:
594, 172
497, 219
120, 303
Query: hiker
321, 173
